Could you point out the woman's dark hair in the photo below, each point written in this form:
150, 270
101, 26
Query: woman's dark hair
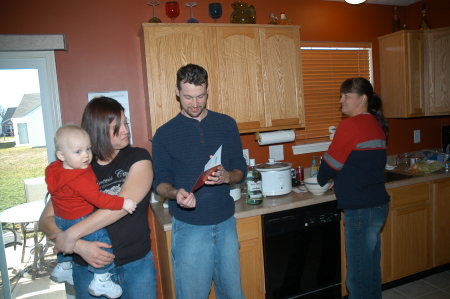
97, 117
192, 74
362, 86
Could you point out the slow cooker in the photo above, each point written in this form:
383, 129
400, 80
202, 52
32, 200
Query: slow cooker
276, 177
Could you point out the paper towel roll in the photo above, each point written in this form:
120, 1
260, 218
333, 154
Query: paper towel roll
276, 137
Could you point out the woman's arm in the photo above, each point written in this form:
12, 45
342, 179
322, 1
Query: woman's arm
136, 186
47, 221
91, 252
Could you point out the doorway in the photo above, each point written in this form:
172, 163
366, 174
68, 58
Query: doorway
44, 62
22, 132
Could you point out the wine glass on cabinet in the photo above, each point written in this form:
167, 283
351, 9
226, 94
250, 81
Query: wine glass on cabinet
215, 11
192, 19
154, 19
172, 10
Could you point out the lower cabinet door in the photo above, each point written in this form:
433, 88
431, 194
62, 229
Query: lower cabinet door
441, 218
411, 239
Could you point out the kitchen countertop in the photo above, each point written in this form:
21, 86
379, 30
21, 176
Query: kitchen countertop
291, 200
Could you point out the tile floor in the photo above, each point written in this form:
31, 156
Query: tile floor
435, 286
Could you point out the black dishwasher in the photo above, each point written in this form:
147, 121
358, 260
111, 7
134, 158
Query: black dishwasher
302, 252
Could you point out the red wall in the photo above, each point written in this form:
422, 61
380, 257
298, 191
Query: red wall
104, 52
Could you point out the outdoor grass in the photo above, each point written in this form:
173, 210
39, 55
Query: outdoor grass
17, 164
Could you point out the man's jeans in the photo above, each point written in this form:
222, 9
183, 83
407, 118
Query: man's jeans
202, 253
101, 235
137, 279
363, 250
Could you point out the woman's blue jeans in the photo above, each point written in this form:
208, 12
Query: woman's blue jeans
137, 279
202, 253
363, 250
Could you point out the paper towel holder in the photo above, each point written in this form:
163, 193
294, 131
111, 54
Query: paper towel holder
259, 138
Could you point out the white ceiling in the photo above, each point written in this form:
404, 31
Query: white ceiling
388, 2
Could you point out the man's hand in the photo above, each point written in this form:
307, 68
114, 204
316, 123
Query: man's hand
93, 253
185, 199
220, 176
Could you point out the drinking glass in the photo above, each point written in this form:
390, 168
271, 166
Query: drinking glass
154, 19
192, 19
172, 10
215, 11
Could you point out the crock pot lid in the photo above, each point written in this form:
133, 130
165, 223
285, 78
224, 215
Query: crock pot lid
274, 166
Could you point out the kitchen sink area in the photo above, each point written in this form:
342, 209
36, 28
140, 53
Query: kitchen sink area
392, 176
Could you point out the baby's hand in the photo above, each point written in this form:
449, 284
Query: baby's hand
129, 205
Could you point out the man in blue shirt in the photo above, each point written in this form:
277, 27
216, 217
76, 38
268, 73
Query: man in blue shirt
204, 238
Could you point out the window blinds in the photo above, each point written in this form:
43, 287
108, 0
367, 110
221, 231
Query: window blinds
325, 66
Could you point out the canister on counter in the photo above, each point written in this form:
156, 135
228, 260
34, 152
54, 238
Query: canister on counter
300, 173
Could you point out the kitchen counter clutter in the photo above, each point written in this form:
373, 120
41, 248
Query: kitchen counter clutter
291, 200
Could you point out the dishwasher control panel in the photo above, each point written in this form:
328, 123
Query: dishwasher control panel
321, 218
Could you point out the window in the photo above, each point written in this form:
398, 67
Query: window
44, 61
325, 66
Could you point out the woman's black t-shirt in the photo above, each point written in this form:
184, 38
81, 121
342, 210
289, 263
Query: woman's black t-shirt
130, 235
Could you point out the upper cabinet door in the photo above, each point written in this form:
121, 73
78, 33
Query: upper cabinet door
239, 68
437, 71
282, 77
166, 48
401, 74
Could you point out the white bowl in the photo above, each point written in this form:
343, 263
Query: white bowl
313, 186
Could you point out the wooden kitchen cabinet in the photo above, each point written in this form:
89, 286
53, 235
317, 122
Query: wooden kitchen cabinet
437, 71
254, 72
251, 257
415, 73
441, 222
401, 74
406, 237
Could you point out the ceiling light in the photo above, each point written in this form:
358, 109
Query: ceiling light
355, 1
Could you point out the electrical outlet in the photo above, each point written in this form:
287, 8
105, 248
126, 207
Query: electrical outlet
246, 156
416, 136
276, 152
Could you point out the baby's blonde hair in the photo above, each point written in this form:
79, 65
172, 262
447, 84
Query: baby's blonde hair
64, 132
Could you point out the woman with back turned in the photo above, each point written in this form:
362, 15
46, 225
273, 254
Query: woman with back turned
356, 160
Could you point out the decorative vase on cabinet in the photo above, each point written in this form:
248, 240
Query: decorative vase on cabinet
243, 13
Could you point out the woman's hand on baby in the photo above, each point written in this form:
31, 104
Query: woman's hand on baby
64, 243
93, 253
129, 205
